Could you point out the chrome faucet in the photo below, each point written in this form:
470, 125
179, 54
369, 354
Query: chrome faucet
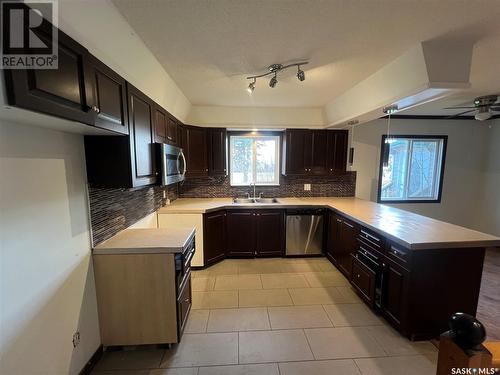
254, 193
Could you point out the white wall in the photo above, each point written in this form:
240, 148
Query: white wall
46, 284
463, 182
488, 216
256, 117
100, 27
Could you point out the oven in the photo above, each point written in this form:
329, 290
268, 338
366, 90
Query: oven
173, 164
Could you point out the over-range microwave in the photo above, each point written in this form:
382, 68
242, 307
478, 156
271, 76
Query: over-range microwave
173, 164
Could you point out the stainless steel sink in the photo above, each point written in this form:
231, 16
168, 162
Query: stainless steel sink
243, 200
266, 200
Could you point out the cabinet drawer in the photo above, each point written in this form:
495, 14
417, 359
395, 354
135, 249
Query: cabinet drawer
399, 254
370, 239
363, 279
184, 302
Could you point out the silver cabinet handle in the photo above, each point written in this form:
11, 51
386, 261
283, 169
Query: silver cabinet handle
358, 275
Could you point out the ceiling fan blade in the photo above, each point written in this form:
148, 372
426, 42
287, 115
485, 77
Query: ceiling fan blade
461, 113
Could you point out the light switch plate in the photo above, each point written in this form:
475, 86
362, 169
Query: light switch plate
307, 187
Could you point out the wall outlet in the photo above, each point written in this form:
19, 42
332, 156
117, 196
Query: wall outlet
167, 202
76, 339
307, 187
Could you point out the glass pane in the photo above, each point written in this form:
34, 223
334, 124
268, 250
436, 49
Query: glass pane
241, 160
265, 160
394, 175
424, 157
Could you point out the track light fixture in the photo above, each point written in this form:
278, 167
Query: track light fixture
273, 81
274, 69
251, 86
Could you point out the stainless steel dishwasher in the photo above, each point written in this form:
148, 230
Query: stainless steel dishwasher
304, 231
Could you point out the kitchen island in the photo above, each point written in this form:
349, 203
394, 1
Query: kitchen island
414, 270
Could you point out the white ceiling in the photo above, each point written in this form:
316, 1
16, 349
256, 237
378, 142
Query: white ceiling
210, 46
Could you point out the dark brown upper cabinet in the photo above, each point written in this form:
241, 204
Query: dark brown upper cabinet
314, 152
109, 98
217, 160
65, 92
336, 151
125, 161
172, 131
194, 143
160, 121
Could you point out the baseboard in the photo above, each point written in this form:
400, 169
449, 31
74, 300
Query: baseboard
89, 366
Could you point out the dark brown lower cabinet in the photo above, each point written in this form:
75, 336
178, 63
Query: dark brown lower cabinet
214, 237
394, 292
270, 233
348, 233
363, 279
240, 229
333, 243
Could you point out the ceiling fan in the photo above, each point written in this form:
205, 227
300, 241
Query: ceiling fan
483, 106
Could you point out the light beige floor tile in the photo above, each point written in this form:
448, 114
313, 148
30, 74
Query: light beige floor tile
318, 296
259, 369
218, 299
264, 297
203, 350
299, 267
259, 267
352, 314
234, 282
130, 360
197, 321
405, 365
395, 344
346, 342
325, 279
175, 371
298, 317
349, 295
283, 281
243, 319
202, 284
338, 366
273, 346
327, 267
223, 268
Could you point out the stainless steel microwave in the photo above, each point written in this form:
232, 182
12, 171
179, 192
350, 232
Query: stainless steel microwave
173, 164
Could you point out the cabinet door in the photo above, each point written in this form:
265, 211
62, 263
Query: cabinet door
196, 151
217, 152
270, 233
65, 92
348, 234
214, 237
109, 98
334, 245
172, 131
363, 279
297, 151
394, 290
160, 119
319, 152
240, 230
141, 138
337, 150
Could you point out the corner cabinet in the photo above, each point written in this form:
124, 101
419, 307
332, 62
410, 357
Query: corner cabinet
314, 152
194, 143
125, 161
217, 159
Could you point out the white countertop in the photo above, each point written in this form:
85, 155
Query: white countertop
147, 241
411, 230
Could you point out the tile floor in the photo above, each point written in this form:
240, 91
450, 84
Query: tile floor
277, 317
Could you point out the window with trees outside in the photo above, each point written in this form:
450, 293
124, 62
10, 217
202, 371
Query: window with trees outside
412, 170
254, 159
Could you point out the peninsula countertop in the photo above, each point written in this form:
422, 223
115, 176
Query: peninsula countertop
147, 241
410, 230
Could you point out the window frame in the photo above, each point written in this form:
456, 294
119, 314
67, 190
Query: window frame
443, 138
256, 134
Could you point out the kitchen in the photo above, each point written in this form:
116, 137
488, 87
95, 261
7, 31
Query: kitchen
173, 210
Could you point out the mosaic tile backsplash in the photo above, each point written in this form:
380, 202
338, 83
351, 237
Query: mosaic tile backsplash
112, 210
332, 186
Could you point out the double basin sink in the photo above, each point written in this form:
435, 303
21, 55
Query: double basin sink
255, 200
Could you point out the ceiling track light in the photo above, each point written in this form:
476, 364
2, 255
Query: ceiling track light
274, 69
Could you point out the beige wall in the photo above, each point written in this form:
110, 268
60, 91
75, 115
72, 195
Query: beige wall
100, 27
464, 181
46, 285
